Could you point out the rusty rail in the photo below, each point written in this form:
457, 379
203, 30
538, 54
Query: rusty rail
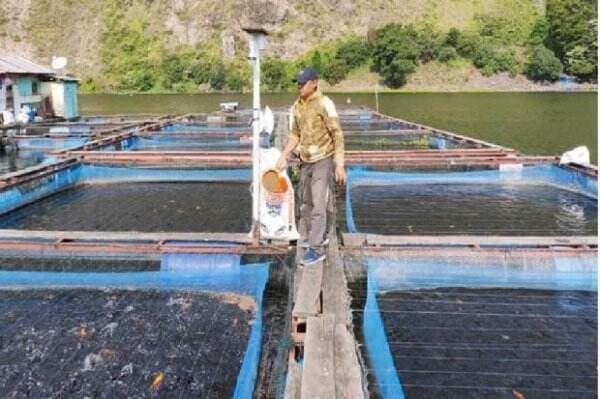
132, 129
35, 172
450, 135
134, 242
481, 157
83, 246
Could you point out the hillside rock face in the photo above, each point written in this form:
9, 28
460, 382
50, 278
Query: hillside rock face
41, 28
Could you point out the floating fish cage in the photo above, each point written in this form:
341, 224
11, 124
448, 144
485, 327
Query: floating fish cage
473, 280
370, 131
541, 200
185, 325
477, 324
463, 268
143, 278
12, 162
28, 145
97, 198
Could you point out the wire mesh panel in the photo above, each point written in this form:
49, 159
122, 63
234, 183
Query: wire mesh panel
465, 324
401, 141
92, 198
373, 124
196, 143
539, 201
145, 207
49, 144
204, 127
12, 162
192, 328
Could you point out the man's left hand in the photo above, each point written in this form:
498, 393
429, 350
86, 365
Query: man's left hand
340, 175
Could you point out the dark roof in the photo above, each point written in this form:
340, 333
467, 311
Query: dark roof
17, 64
252, 29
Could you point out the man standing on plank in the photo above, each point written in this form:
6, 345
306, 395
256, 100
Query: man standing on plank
315, 129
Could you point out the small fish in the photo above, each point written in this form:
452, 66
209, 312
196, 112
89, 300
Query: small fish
518, 395
105, 352
83, 332
157, 381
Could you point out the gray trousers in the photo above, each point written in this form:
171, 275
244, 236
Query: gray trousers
316, 180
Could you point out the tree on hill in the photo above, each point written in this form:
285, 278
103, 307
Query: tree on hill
573, 30
542, 64
396, 53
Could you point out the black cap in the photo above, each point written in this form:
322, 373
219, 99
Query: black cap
306, 75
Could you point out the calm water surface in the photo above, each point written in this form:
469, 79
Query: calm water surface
533, 123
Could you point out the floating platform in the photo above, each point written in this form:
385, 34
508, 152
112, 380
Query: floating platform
155, 210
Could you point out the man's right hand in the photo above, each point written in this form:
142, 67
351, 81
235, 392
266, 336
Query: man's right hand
282, 163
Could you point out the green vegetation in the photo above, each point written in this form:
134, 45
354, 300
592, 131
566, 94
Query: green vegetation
54, 28
572, 35
498, 43
130, 54
396, 53
542, 65
136, 55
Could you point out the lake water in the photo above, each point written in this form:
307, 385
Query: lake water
533, 123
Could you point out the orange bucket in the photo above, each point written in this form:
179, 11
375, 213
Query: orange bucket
273, 182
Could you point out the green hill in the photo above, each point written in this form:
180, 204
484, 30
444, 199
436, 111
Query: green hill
120, 44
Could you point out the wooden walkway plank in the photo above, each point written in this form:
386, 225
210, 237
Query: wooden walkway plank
335, 293
348, 376
294, 381
318, 375
308, 297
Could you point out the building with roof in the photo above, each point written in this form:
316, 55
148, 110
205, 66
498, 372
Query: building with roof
25, 84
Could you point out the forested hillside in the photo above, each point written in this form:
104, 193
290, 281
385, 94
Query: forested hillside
198, 45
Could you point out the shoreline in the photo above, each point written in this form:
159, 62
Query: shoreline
355, 91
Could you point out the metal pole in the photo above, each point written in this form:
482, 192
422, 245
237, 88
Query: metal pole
257, 43
377, 97
255, 141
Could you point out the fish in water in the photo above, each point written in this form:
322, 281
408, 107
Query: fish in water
157, 380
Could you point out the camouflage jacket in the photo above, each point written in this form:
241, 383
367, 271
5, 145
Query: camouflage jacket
315, 126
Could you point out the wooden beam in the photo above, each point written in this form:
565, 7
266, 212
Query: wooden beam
587, 169
35, 172
200, 135
383, 132
531, 252
129, 247
126, 132
318, 375
454, 136
239, 238
366, 240
434, 152
376, 159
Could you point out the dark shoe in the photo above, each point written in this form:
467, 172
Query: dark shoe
311, 257
305, 244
